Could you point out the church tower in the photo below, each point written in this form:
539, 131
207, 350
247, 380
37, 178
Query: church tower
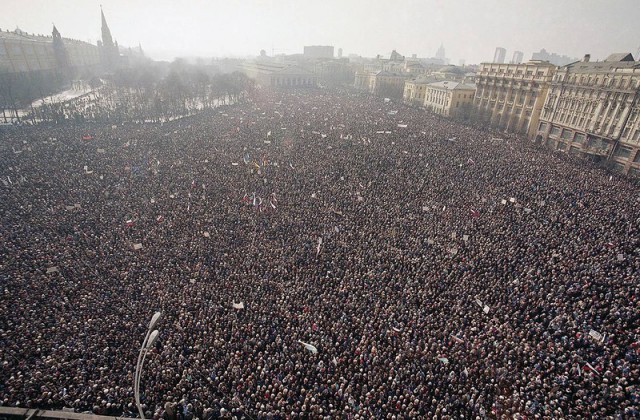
60, 54
108, 49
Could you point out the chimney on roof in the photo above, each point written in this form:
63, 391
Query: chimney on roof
587, 57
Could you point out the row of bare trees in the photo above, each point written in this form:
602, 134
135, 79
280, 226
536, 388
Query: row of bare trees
180, 89
146, 91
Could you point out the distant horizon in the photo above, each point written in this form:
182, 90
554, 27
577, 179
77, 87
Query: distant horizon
167, 30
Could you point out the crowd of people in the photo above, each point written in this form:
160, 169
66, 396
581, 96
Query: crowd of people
389, 264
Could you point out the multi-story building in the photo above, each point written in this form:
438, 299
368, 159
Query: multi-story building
381, 83
593, 110
415, 89
553, 58
334, 71
279, 75
510, 97
517, 57
499, 55
449, 98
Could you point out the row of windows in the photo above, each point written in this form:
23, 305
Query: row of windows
621, 82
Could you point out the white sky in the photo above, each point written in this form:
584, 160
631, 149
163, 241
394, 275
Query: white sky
469, 29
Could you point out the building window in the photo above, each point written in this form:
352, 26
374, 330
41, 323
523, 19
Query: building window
623, 152
555, 131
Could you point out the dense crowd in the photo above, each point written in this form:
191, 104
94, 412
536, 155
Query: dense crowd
441, 271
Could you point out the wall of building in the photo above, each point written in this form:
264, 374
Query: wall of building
510, 97
28, 53
592, 110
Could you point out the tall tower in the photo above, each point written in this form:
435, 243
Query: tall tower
108, 51
498, 57
440, 53
107, 41
517, 57
60, 54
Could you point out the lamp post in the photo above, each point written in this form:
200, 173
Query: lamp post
149, 341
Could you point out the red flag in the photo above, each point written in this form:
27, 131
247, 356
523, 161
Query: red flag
475, 213
130, 223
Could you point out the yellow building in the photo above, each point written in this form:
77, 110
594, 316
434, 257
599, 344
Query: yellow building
593, 110
510, 97
415, 90
387, 84
381, 83
363, 80
449, 98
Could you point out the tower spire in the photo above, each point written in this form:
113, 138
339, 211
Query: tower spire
106, 33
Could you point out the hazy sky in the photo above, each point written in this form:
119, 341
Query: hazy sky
469, 29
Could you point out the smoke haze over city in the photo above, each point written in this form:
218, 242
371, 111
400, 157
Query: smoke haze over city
469, 30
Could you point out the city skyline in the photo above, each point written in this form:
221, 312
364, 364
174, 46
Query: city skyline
166, 29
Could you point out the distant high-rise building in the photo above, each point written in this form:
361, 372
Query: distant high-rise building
498, 57
318, 51
440, 53
339, 52
553, 58
517, 57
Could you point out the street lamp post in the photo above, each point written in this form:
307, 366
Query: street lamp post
149, 341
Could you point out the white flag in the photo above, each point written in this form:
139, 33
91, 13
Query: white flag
485, 309
593, 369
137, 246
444, 360
319, 245
503, 201
237, 305
52, 270
206, 234
309, 347
596, 335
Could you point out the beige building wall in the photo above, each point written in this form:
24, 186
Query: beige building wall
276, 75
449, 98
414, 92
510, 97
592, 110
387, 84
